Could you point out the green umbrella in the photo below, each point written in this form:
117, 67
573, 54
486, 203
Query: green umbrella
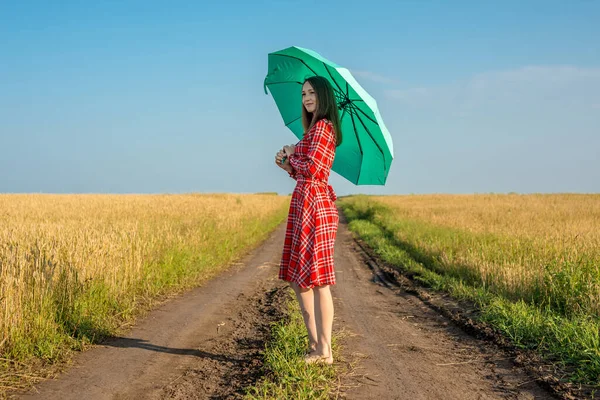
366, 152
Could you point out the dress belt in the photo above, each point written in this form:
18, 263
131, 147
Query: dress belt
320, 183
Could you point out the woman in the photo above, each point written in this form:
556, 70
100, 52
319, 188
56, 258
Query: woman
307, 261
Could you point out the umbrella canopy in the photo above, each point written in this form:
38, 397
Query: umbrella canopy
366, 152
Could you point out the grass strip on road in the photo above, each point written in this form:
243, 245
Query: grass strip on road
287, 376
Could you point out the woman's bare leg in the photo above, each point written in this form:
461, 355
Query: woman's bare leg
306, 299
324, 321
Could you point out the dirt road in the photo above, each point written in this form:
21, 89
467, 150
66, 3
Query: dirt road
206, 343
409, 351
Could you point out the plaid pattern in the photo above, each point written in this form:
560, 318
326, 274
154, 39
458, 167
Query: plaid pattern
313, 217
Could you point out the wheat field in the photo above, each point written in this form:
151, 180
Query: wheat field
75, 267
526, 246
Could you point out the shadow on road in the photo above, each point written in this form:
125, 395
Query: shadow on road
122, 342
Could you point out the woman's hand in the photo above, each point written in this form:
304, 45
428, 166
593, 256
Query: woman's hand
286, 164
278, 157
289, 150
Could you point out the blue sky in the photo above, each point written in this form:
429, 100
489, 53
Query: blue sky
167, 97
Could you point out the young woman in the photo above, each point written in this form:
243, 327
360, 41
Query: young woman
307, 261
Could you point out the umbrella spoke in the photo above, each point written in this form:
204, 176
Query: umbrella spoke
279, 83
299, 59
373, 139
356, 134
359, 145
339, 96
343, 98
344, 102
331, 76
353, 109
291, 122
366, 116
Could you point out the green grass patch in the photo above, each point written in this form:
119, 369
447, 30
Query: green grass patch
546, 319
287, 376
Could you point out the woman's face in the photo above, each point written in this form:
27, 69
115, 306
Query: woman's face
309, 97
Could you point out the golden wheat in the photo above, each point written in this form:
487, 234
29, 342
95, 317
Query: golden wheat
51, 246
519, 243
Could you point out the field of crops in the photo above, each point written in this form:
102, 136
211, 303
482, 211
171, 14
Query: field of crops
76, 267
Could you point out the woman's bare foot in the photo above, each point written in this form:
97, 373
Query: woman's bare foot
312, 348
319, 356
314, 358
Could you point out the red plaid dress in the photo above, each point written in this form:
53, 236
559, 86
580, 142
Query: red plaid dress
313, 217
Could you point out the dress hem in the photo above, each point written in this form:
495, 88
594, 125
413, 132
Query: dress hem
312, 285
